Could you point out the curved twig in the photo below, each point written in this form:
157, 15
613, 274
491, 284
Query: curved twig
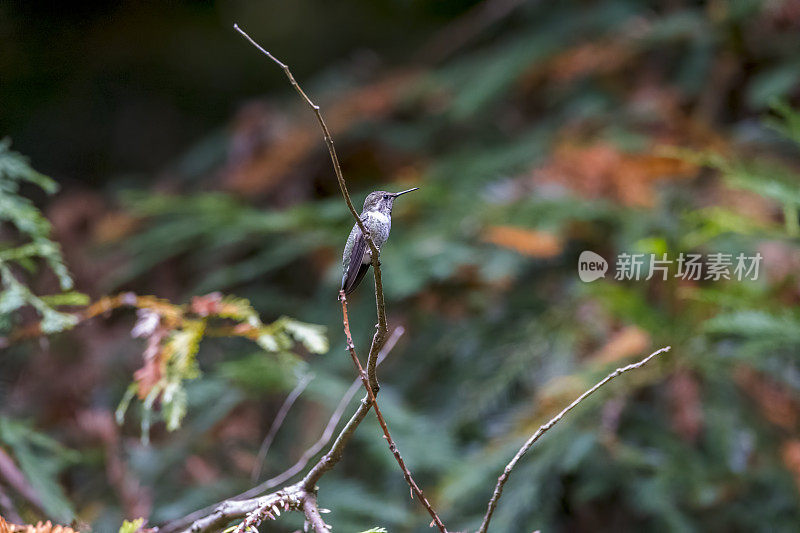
277, 423
501, 481
337, 168
369, 377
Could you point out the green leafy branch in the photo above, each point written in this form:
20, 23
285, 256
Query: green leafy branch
34, 245
173, 335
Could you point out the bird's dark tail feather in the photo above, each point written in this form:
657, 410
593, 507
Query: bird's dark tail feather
349, 285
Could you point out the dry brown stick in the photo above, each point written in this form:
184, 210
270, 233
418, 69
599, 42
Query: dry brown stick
236, 508
392, 446
103, 305
325, 132
230, 510
501, 481
182, 524
370, 377
382, 328
200, 521
329, 427
277, 423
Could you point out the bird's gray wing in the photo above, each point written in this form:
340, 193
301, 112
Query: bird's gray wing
362, 271
355, 269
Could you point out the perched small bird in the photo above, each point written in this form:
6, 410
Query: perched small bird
377, 219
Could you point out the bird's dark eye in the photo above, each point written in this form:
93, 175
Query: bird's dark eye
385, 196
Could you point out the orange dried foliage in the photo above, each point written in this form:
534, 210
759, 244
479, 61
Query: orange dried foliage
148, 375
267, 161
601, 170
46, 527
777, 404
583, 60
590, 58
207, 305
214, 304
627, 342
525, 241
114, 227
790, 453
686, 410
201, 471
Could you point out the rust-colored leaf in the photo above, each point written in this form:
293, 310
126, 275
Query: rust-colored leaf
686, 410
602, 170
150, 373
590, 58
206, 305
777, 404
40, 527
266, 147
627, 342
525, 241
790, 453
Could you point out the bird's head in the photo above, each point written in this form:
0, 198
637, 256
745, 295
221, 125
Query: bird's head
382, 201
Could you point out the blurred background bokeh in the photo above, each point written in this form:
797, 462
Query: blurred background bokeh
535, 130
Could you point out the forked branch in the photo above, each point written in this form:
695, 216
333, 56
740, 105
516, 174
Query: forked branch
369, 377
302, 495
416, 491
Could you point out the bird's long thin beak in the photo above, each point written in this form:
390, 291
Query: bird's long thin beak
403, 192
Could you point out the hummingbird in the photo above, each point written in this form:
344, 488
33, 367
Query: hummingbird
377, 219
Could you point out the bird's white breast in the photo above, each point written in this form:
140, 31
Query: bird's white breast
380, 217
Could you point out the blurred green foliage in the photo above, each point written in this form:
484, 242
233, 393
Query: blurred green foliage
613, 126
30, 246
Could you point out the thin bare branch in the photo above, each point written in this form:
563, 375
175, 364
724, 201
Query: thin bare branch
369, 378
337, 168
289, 499
392, 446
501, 481
99, 307
257, 509
325, 438
278, 422
311, 510
231, 510
381, 329
181, 524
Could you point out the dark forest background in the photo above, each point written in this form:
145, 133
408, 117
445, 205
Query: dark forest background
185, 168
